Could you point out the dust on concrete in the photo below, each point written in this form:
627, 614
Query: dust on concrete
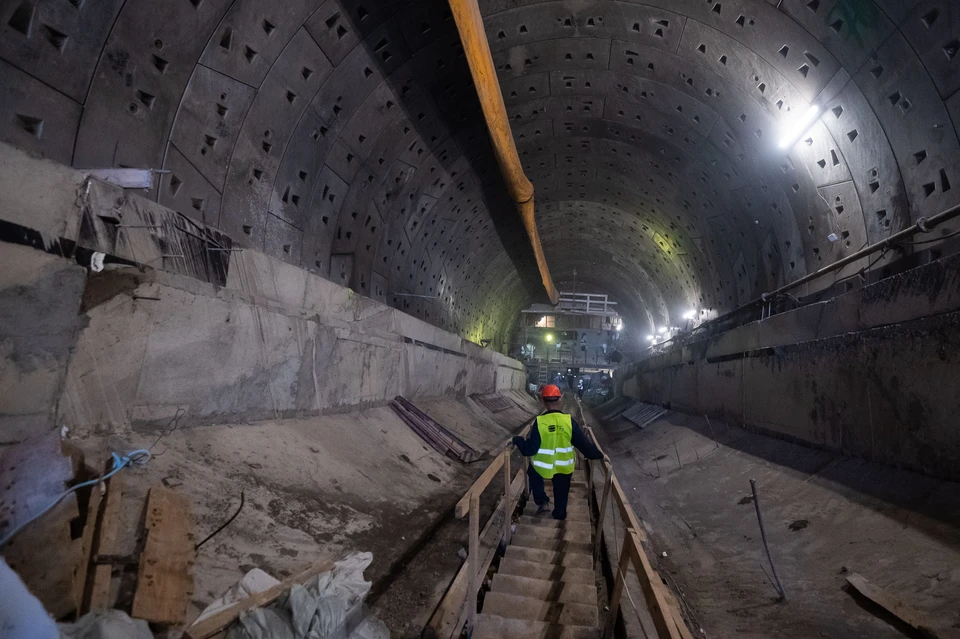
825, 516
317, 487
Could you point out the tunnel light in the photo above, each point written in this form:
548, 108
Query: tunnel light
662, 330
689, 315
619, 327
548, 337
795, 131
651, 337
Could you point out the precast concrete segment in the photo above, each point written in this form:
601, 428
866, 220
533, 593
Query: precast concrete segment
345, 137
668, 115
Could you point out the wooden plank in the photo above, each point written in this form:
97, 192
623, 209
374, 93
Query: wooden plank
99, 593
650, 584
451, 614
618, 585
894, 606
220, 620
473, 561
479, 486
164, 581
87, 541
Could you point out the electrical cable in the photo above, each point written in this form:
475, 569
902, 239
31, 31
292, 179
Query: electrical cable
139, 457
933, 239
224, 525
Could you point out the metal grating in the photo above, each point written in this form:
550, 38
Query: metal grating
494, 402
642, 414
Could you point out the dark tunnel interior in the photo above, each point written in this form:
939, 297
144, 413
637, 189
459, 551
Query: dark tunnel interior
346, 138
328, 263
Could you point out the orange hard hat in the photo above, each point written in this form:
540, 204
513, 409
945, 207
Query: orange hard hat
550, 391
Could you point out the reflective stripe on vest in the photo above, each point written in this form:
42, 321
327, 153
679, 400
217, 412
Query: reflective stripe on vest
556, 454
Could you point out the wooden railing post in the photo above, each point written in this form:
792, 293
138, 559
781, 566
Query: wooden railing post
607, 483
618, 584
473, 559
507, 503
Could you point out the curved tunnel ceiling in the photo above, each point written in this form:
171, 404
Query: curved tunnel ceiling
345, 137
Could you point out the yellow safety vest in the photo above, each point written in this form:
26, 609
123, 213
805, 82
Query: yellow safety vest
556, 454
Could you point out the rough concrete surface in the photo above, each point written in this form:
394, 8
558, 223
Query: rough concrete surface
825, 516
39, 304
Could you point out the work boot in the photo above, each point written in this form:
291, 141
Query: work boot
542, 508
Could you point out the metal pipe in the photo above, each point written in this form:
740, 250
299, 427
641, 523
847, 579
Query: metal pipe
466, 13
763, 536
923, 225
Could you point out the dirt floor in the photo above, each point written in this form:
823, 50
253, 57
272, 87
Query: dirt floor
826, 516
316, 487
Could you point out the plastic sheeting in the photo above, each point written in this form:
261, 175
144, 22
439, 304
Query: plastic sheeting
110, 624
328, 607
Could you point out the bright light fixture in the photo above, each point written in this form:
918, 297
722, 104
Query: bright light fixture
619, 327
651, 337
689, 315
549, 337
662, 330
795, 131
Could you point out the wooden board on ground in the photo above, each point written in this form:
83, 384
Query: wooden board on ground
99, 590
897, 608
220, 620
164, 581
85, 551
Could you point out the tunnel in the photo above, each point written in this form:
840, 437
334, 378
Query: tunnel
275, 250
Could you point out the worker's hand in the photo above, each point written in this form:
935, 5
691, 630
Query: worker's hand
516, 441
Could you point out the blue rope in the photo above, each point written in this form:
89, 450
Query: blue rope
140, 457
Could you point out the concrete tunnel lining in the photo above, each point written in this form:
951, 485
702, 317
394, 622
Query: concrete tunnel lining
346, 139
341, 141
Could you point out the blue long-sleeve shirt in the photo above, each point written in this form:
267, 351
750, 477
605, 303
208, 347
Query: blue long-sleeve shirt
528, 447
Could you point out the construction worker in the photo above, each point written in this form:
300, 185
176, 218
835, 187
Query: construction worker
551, 443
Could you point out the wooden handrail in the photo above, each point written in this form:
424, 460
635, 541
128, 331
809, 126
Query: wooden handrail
463, 506
667, 619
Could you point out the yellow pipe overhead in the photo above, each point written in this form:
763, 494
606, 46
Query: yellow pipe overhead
466, 13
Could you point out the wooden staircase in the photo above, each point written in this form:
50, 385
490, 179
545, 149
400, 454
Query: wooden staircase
546, 585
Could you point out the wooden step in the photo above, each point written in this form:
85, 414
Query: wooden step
546, 521
570, 559
576, 531
496, 627
559, 545
573, 513
550, 572
517, 607
545, 590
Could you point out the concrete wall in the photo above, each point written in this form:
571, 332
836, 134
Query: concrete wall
872, 373
238, 337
